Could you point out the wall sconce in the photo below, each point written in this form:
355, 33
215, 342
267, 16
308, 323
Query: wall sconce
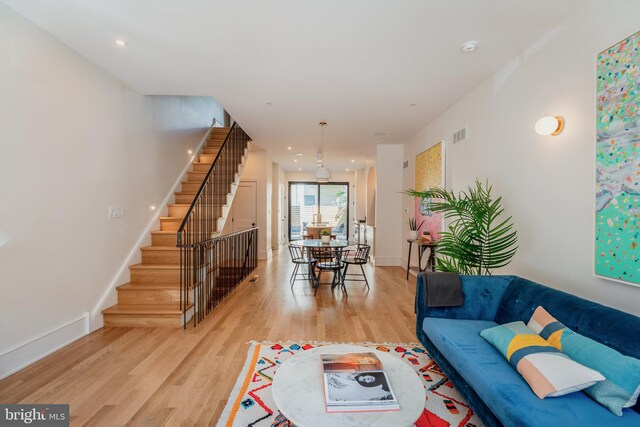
550, 125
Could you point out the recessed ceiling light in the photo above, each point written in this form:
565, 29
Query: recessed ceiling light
152, 207
298, 154
121, 42
347, 169
295, 160
353, 161
299, 169
288, 148
469, 46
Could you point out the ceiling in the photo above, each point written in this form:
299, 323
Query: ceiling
357, 64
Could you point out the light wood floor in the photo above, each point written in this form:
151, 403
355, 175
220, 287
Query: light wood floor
163, 376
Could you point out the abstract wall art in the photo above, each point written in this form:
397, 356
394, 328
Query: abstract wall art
617, 233
429, 174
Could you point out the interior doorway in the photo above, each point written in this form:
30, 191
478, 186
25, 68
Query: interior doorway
330, 201
244, 207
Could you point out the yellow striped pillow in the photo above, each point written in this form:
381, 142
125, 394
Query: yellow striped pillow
548, 372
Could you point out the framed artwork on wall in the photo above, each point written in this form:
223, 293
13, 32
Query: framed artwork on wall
617, 207
430, 165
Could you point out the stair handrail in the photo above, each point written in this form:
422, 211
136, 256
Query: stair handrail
204, 182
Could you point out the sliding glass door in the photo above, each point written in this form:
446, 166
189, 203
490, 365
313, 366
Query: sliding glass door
330, 201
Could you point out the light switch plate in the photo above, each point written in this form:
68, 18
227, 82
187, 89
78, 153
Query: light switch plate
116, 212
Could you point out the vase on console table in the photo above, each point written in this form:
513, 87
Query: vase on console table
413, 235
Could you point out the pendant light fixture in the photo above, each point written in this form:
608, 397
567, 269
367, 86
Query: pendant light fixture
322, 174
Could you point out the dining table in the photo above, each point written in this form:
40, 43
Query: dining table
318, 243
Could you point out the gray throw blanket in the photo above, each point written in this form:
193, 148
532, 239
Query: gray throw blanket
442, 289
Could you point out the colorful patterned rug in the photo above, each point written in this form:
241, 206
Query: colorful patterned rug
251, 402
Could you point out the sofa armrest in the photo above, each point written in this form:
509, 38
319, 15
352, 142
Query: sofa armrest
482, 297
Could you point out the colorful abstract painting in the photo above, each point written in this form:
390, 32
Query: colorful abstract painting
618, 162
429, 174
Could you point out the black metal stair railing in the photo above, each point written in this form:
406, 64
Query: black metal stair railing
212, 265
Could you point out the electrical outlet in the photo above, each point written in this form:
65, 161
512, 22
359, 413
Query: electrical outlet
116, 212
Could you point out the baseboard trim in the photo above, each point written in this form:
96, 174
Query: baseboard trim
388, 261
265, 254
108, 296
38, 348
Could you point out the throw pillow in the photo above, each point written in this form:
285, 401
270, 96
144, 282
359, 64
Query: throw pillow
621, 386
548, 372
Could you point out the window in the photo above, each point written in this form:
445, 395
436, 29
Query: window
330, 200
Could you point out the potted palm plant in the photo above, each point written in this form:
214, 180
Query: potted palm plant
325, 236
478, 239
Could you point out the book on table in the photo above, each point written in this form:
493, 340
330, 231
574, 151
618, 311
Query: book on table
356, 382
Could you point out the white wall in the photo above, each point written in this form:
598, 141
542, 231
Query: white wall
259, 168
388, 199
277, 206
74, 141
360, 211
547, 182
336, 176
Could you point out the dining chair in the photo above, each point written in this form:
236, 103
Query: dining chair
300, 262
360, 258
329, 259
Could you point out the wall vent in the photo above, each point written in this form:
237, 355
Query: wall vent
460, 135
405, 164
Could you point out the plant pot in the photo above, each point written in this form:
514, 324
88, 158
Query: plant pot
413, 235
325, 239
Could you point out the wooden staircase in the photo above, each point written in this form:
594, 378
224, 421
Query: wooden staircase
152, 297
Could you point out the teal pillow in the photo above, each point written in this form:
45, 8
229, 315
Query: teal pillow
548, 372
621, 387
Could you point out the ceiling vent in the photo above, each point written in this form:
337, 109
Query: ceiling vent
460, 135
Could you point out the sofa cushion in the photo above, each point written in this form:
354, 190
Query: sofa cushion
622, 385
548, 372
606, 325
502, 389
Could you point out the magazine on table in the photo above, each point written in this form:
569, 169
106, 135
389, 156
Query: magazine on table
355, 382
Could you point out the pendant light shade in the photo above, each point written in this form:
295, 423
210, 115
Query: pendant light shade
322, 174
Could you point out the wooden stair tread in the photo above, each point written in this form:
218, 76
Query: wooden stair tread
148, 286
159, 248
144, 309
171, 218
155, 267
151, 286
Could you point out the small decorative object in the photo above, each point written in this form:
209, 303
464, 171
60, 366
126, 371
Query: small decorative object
413, 230
426, 237
325, 236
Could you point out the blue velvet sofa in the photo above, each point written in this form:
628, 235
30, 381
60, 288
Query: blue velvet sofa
496, 392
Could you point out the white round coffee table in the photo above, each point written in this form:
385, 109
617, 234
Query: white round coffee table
298, 391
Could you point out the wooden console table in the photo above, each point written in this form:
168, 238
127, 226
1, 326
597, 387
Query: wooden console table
422, 246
